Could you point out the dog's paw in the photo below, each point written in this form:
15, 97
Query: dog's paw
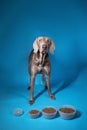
29, 87
31, 102
46, 87
52, 97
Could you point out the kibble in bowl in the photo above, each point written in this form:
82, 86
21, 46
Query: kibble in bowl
34, 113
67, 112
49, 112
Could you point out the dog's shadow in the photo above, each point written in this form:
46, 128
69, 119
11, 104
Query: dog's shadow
59, 86
40, 93
62, 85
64, 80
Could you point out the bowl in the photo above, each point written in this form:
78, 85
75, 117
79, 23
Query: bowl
49, 112
18, 111
34, 113
67, 111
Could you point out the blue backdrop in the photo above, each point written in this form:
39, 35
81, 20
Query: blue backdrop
21, 21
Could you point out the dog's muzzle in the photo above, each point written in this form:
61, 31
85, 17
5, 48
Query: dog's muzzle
44, 52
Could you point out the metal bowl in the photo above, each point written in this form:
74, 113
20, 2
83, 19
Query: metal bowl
49, 112
67, 111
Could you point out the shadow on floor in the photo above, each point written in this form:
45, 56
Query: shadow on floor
78, 114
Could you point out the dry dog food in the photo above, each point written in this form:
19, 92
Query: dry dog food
49, 110
67, 110
33, 111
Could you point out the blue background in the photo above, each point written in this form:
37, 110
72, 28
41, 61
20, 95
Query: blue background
21, 21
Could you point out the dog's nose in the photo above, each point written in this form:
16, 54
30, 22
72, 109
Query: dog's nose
44, 47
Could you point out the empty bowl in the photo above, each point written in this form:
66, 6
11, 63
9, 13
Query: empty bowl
34, 113
67, 111
18, 111
49, 112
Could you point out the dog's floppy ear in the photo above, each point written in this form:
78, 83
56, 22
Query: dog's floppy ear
52, 47
35, 45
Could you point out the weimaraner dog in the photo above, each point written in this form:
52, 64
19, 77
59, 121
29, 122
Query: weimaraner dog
39, 62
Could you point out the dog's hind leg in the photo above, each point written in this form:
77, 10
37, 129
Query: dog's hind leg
48, 85
32, 80
43, 81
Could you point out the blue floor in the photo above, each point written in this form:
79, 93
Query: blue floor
17, 96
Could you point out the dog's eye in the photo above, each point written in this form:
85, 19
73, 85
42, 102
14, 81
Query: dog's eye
40, 40
47, 40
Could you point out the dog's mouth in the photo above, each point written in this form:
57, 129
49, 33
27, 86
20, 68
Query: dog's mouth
44, 52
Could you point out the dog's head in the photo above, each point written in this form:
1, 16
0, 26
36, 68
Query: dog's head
43, 44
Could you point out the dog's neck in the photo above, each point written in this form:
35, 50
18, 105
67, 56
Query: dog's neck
41, 58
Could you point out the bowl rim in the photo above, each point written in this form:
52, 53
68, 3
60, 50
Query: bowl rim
67, 106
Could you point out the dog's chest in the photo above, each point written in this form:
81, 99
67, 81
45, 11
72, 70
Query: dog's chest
41, 63
40, 68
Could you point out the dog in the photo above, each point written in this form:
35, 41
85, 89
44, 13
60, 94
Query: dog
39, 62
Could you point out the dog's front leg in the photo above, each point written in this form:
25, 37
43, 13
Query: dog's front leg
48, 86
32, 80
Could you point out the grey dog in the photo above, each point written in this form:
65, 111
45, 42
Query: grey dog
39, 62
